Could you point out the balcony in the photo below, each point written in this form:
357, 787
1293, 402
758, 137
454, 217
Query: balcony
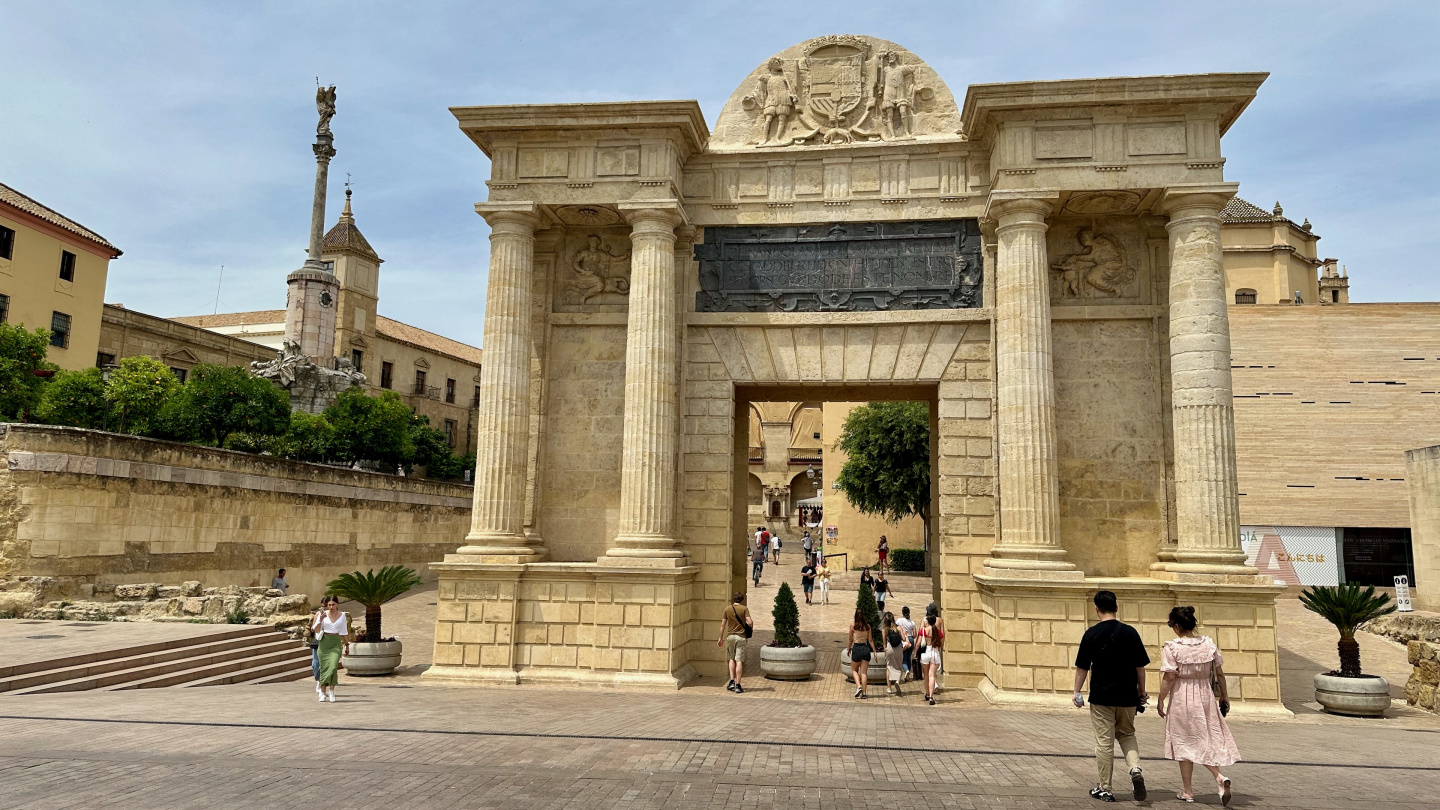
427, 391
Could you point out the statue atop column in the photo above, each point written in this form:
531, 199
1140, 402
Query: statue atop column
325, 104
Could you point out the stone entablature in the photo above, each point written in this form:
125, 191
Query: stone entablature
1083, 422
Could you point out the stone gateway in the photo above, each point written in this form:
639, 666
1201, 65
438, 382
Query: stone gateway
1042, 265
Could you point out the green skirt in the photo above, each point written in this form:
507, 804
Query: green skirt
330, 646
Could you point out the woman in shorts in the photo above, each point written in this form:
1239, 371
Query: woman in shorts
860, 653
932, 634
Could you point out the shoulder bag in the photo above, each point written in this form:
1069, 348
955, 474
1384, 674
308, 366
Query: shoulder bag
1215, 688
743, 626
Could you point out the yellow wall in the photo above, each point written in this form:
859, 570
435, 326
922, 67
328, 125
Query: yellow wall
858, 533
1273, 259
32, 280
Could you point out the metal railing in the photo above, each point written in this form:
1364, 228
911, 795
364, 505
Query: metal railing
427, 391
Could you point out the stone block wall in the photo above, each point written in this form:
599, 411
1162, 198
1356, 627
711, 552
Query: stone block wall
88, 507
1425, 678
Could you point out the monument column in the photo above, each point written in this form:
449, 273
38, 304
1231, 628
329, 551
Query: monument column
312, 291
497, 524
1029, 540
1207, 504
648, 449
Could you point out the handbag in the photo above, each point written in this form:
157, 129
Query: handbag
743, 626
1215, 690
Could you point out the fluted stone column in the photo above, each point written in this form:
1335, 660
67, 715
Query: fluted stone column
648, 455
1207, 503
1029, 541
497, 524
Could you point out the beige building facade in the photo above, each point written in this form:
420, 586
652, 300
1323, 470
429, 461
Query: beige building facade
52, 276
1043, 264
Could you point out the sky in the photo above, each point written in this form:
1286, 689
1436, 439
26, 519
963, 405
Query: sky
181, 131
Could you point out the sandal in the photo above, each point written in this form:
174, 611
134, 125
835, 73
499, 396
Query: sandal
1225, 790
1185, 797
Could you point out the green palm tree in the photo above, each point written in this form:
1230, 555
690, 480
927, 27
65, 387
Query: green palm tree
373, 590
1347, 607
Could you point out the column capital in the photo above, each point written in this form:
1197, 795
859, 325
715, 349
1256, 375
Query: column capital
510, 213
1031, 206
653, 215
1195, 199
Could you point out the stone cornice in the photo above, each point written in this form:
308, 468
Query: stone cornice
679, 118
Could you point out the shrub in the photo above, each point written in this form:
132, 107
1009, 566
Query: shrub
787, 619
22, 354
373, 590
310, 438
371, 429
865, 603
217, 401
1347, 607
74, 398
237, 616
907, 559
137, 392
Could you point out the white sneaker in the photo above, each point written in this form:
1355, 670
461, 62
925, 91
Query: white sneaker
320, 695
330, 696
318, 690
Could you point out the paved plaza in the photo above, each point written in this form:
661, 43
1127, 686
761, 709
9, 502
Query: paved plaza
402, 743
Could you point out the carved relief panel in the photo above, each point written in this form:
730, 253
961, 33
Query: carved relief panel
1098, 260
592, 261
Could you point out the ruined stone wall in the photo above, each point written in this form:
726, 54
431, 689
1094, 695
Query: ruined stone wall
89, 507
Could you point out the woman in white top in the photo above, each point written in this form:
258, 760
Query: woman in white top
332, 629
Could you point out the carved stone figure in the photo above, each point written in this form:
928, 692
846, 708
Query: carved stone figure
594, 273
325, 104
1101, 267
312, 387
895, 95
777, 98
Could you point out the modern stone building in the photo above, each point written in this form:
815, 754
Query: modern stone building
1043, 264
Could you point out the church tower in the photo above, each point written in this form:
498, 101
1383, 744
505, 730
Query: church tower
357, 269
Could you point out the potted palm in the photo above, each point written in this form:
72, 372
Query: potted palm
1348, 690
375, 654
865, 603
787, 658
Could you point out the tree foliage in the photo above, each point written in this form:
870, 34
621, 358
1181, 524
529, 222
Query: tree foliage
22, 353
217, 401
373, 590
74, 398
887, 472
137, 392
787, 618
308, 439
371, 429
1347, 607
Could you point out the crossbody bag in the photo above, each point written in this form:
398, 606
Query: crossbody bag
743, 626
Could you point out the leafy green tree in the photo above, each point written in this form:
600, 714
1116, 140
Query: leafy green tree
371, 429
22, 353
137, 391
887, 472
865, 603
1347, 607
310, 438
787, 618
74, 398
217, 401
373, 590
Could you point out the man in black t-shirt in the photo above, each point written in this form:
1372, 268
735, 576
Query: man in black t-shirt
1112, 654
807, 578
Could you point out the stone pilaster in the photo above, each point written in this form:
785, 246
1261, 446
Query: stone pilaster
1207, 505
497, 526
647, 471
1029, 540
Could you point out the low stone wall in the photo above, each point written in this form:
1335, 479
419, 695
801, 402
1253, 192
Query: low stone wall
88, 508
1420, 690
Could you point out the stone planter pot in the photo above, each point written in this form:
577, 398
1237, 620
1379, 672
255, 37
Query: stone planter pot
787, 663
379, 658
1368, 696
875, 672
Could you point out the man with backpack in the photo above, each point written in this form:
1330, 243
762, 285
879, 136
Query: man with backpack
735, 627
757, 554
1113, 656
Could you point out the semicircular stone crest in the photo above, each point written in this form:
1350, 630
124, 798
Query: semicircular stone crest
837, 89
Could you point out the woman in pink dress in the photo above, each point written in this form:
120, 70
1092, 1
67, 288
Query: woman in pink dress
1195, 729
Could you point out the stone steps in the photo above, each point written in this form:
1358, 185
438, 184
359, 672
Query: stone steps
258, 654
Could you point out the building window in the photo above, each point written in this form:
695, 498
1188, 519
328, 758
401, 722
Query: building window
1334, 296
420, 381
67, 265
450, 428
450, 392
329, 266
59, 330
179, 373
387, 372
4, 308
1245, 296
476, 402
103, 359
7, 243
357, 359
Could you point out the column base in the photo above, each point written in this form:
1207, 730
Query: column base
497, 549
1032, 563
646, 551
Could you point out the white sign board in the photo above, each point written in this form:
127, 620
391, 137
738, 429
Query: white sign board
1293, 555
1402, 595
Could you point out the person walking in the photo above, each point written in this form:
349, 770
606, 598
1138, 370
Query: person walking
332, 628
775, 549
807, 578
882, 590
867, 578
908, 628
735, 627
807, 544
932, 636
1195, 727
1114, 658
757, 561
860, 653
822, 573
896, 643
882, 553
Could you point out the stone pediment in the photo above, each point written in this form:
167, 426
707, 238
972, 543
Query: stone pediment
182, 355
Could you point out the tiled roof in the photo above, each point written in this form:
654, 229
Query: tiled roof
395, 330
346, 234
233, 318
15, 199
1240, 211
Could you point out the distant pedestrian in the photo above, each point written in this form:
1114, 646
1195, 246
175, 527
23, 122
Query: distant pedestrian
882, 552
908, 627
932, 636
882, 590
279, 583
807, 543
1114, 658
822, 573
775, 549
1195, 727
807, 579
332, 628
867, 579
860, 653
896, 643
735, 627
757, 562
